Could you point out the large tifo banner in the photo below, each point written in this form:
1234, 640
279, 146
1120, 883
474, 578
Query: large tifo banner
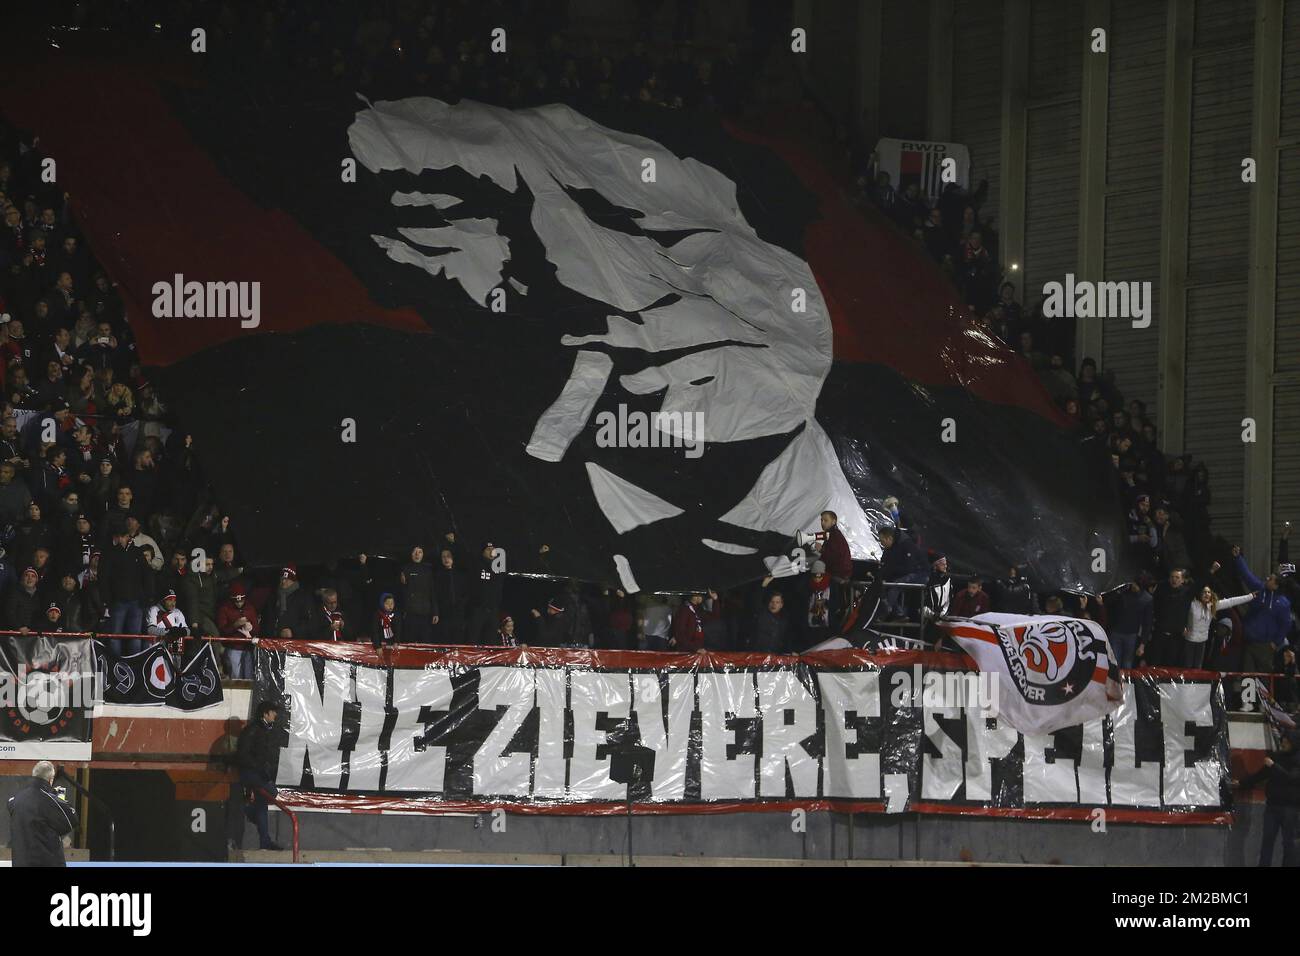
47, 692
414, 729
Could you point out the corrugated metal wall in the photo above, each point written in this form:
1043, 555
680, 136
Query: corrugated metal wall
1052, 166
1218, 252
977, 93
1134, 135
1286, 399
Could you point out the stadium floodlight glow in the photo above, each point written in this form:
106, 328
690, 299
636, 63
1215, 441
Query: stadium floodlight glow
1015, 267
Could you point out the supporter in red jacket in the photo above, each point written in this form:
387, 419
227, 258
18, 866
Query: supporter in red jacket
688, 621
970, 600
236, 617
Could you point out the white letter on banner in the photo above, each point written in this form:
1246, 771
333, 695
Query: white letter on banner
1184, 786
1092, 764
549, 774
315, 722
1047, 782
364, 763
941, 776
410, 768
984, 744
509, 689
592, 695
789, 716
668, 742
723, 696
1130, 784
846, 698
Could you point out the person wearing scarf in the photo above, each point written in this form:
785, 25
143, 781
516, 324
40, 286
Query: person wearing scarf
388, 625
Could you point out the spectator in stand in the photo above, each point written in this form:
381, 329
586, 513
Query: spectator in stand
450, 594
21, 608
327, 622
1143, 536
688, 621
938, 592
256, 755
52, 620
290, 608
900, 563
485, 597
1200, 615
971, 599
387, 626
238, 618
71, 605
554, 628
770, 627
198, 599
1170, 607
506, 631
419, 599
165, 619
226, 572
142, 540
123, 580
14, 496
1129, 620
839, 565
1030, 353
1268, 621
656, 620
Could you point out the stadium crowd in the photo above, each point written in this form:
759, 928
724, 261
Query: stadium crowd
107, 524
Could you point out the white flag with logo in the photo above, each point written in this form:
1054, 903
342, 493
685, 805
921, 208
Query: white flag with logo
1052, 672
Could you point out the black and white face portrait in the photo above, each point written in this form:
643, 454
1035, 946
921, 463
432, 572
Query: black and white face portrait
653, 284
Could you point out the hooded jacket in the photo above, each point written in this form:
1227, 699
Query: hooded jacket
1268, 621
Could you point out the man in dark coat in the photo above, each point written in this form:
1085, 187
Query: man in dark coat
1282, 800
450, 594
900, 562
255, 755
485, 597
1172, 600
419, 602
289, 607
39, 819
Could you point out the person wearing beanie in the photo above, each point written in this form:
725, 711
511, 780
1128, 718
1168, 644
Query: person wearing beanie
165, 619
70, 603
238, 618
387, 626
53, 620
289, 608
553, 627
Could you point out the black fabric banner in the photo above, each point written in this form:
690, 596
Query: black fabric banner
149, 677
